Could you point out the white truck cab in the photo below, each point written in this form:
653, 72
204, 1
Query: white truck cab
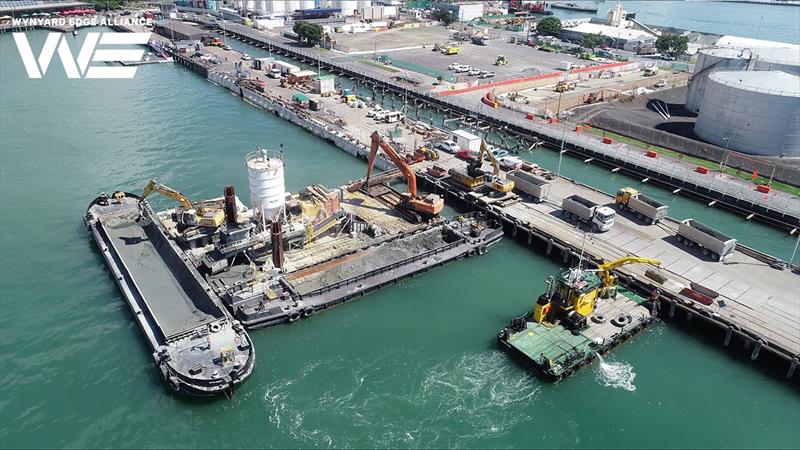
603, 218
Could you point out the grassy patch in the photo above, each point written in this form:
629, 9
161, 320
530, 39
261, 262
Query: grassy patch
713, 166
379, 66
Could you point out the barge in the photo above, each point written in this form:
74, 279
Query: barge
582, 314
198, 348
196, 275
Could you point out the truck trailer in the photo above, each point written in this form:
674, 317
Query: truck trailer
714, 244
646, 209
529, 184
598, 217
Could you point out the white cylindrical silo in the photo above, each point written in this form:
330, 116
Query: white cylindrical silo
753, 112
260, 7
266, 181
277, 7
348, 7
308, 4
291, 6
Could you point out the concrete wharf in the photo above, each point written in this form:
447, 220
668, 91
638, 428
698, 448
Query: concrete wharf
758, 305
777, 208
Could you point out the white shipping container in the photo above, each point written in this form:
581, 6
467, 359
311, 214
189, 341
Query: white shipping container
286, 67
467, 141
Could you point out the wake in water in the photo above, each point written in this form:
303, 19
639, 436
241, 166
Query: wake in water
616, 374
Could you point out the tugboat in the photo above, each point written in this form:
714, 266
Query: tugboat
582, 313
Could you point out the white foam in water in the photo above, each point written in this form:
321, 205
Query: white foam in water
616, 374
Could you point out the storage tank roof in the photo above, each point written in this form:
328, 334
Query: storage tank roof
769, 51
776, 55
770, 82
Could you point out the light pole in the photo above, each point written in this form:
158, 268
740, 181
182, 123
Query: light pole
794, 252
563, 138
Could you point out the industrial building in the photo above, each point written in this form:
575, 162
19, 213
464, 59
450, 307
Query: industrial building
179, 31
618, 37
754, 112
463, 12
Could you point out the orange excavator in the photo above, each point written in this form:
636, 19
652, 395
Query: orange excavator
415, 206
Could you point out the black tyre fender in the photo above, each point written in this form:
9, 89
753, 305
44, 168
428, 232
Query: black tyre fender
293, 316
598, 318
482, 250
621, 320
308, 311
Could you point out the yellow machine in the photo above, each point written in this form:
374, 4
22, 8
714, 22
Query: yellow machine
429, 154
564, 86
650, 71
188, 214
497, 183
574, 293
451, 50
501, 60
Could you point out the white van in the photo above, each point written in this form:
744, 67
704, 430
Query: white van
393, 116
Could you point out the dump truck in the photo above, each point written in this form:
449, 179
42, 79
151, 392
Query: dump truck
599, 218
536, 187
713, 243
646, 209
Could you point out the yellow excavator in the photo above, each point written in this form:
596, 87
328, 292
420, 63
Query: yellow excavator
497, 182
577, 290
188, 214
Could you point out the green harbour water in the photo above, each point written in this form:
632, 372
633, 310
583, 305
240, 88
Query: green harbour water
414, 365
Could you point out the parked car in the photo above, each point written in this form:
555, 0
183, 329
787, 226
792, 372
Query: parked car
246, 57
374, 111
499, 153
453, 66
487, 74
510, 162
447, 146
226, 47
463, 69
475, 72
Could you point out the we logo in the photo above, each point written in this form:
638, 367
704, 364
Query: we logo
79, 67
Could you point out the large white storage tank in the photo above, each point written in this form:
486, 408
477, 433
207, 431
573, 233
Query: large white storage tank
308, 4
753, 112
261, 7
348, 7
709, 60
266, 181
291, 6
364, 4
277, 7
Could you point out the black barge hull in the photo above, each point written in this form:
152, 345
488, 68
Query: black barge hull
198, 348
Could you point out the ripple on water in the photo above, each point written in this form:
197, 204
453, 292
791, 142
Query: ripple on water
446, 403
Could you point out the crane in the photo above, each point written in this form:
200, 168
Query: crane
189, 213
429, 206
497, 183
574, 293
608, 278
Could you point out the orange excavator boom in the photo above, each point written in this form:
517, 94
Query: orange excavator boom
408, 173
429, 206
